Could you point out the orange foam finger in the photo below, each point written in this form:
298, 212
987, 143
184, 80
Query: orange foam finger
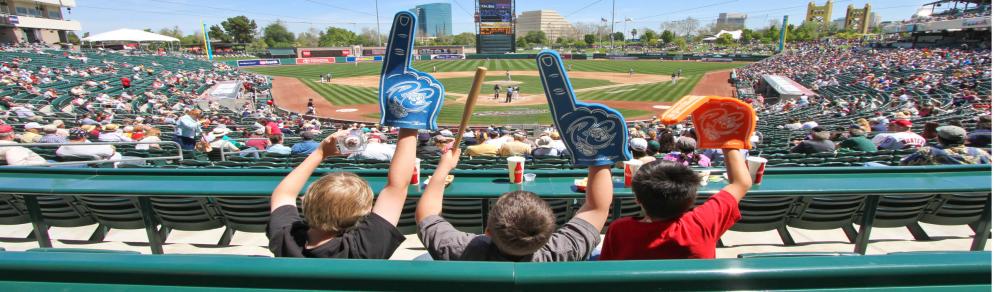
719, 122
682, 109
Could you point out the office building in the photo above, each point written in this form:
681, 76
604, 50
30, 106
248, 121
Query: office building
433, 20
548, 21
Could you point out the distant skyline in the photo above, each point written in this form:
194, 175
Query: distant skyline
301, 15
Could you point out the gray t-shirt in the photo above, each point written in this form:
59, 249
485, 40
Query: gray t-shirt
571, 242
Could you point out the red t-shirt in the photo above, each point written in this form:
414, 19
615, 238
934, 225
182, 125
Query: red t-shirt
126, 81
692, 236
275, 130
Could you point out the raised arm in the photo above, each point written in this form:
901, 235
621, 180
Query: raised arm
390, 200
289, 188
430, 202
739, 175
599, 195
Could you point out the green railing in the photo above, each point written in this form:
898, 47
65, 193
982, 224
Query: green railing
935, 187
33, 271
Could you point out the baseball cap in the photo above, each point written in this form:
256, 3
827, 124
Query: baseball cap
5, 129
903, 123
638, 144
951, 133
32, 125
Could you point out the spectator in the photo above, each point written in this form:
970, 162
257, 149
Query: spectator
257, 139
899, 138
864, 126
983, 135
217, 146
373, 150
341, 218
685, 154
277, 147
671, 229
15, 155
951, 149
521, 226
482, 148
427, 149
111, 133
930, 131
51, 135
809, 124
544, 149
638, 147
77, 150
857, 142
307, 146
793, 124
557, 142
518, 147
188, 128
31, 134
152, 135
820, 142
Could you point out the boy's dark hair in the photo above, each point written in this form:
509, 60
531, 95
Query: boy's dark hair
665, 189
520, 223
275, 139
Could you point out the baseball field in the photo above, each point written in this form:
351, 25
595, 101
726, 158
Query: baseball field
352, 92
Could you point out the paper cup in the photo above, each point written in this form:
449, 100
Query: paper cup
704, 175
415, 179
756, 166
631, 167
529, 177
515, 169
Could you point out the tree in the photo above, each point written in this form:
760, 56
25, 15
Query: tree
277, 35
258, 45
241, 29
748, 35
634, 32
172, 32
808, 31
217, 34
194, 38
308, 39
580, 44
589, 39
667, 36
618, 36
370, 37
682, 27
536, 38
649, 37
464, 39
72, 38
681, 44
336, 36
725, 39
522, 43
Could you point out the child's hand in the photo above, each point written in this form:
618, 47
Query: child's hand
329, 146
449, 159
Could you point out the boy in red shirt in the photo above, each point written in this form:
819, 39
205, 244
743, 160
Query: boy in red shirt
671, 229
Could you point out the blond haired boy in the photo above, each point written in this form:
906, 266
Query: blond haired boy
341, 219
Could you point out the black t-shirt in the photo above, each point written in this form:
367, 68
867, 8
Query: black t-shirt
372, 238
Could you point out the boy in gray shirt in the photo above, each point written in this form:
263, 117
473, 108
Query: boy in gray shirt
521, 226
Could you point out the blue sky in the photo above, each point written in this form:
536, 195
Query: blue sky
300, 15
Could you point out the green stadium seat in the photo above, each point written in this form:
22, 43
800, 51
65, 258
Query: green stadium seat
12, 211
188, 214
765, 213
81, 250
827, 213
246, 214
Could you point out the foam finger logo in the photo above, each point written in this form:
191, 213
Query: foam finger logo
594, 134
408, 98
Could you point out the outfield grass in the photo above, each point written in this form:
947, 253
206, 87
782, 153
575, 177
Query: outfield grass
508, 115
529, 84
657, 92
690, 69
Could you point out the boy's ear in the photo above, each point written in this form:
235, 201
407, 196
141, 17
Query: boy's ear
487, 232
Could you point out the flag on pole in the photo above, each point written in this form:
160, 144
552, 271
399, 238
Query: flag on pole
208, 42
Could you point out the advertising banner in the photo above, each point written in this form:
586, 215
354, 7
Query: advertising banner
321, 60
448, 57
257, 62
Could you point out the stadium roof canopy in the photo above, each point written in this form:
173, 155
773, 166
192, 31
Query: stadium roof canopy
126, 34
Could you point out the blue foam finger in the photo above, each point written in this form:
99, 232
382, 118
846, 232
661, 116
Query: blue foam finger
594, 133
407, 98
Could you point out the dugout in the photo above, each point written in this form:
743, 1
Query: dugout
778, 88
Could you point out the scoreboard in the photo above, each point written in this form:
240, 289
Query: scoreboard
495, 24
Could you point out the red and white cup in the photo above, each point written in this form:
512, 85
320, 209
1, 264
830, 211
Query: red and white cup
631, 167
515, 169
756, 166
415, 179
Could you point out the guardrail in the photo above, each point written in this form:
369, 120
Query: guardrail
179, 156
40, 271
